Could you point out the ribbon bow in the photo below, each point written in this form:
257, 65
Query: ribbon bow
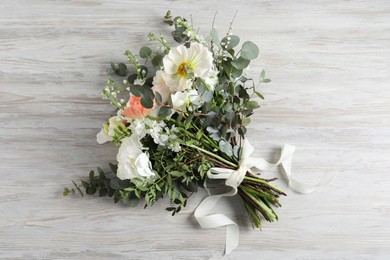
222, 182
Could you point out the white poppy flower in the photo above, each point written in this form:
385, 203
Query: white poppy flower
181, 62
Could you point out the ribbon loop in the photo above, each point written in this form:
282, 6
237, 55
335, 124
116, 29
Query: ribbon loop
221, 182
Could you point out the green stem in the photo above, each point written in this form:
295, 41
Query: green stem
264, 182
212, 154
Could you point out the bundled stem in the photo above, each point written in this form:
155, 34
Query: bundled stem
258, 196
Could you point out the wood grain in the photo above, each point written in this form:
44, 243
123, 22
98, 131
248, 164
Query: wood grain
329, 62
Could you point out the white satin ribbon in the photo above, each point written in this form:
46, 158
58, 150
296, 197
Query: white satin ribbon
222, 182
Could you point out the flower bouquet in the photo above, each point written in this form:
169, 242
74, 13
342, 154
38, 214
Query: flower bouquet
181, 117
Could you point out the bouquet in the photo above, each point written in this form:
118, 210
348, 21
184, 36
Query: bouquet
181, 118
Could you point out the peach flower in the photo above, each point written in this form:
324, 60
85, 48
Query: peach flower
135, 109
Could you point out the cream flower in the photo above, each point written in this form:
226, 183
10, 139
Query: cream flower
182, 63
132, 161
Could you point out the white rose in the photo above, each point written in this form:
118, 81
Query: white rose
132, 161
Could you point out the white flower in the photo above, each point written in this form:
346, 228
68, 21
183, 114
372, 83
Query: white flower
108, 130
137, 128
212, 79
102, 137
132, 161
179, 100
181, 63
194, 97
160, 86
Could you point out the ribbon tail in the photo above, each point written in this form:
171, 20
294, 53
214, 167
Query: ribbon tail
286, 160
217, 220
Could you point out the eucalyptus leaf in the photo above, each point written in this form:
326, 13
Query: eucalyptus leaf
145, 52
147, 102
230, 41
132, 78
157, 60
215, 38
226, 147
164, 111
252, 104
122, 70
240, 63
133, 201
249, 50
136, 90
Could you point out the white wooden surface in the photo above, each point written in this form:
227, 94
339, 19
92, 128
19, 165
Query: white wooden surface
329, 62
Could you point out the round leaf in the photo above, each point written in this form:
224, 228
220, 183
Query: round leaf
157, 60
240, 63
145, 52
249, 50
230, 41
147, 102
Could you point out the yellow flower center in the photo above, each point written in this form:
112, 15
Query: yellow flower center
182, 69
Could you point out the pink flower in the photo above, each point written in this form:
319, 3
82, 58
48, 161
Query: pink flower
135, 109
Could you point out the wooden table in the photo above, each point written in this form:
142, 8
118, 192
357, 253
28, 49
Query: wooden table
329, 62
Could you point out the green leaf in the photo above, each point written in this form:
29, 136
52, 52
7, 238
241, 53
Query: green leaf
145, 52
265, 81
92, 177
122, 70
158, 97
113, 167
164, 112
133, 201
249, 50
147, 102
170, 209
132, 78
259, 94
90, 190
226, 147
215, 38
103, 192
176, 173
66, 192
236, 73
113, 66
252, 104
118, 184
230, 41
157, 60
149, 82
240, 63
136, 90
